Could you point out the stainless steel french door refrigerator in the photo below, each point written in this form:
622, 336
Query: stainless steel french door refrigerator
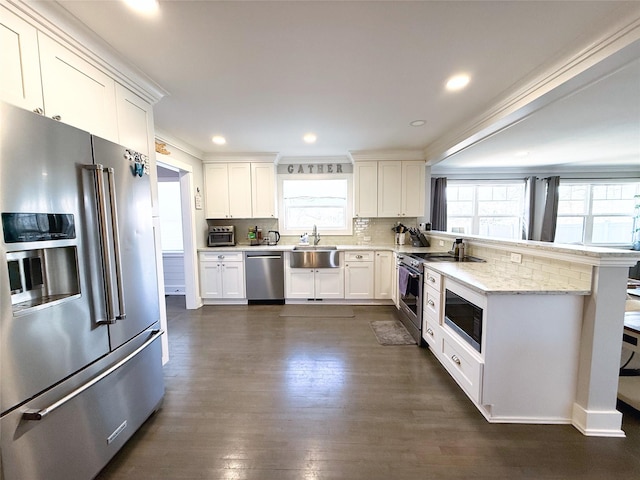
80, 354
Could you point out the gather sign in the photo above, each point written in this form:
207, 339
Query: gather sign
315, 168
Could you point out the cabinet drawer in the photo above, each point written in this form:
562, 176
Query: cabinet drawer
463, 367
220, 256
358, 256
431, 335
432, 302
433, 279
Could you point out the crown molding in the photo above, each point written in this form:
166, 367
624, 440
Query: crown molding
384, 155
167, 138
53, 20
618, 43
319, 159
252, 157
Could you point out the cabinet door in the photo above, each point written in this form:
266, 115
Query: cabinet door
413, 189
239, 190
358, 280
384, 269
216, 190
210, 280
329, 283
77, 92
19, 63
300, 283
233, 280
365, 189
263, 190
389, 189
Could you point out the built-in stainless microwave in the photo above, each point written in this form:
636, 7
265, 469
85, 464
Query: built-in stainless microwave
464, 318
221, 236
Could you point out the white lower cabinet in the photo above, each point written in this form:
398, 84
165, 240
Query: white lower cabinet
314, 283
359, 275
222, 275
384, 275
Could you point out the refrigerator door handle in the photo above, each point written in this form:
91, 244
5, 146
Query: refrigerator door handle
43, 412
116, 243
106, 256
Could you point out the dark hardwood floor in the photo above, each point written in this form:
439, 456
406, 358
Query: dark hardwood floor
251, 395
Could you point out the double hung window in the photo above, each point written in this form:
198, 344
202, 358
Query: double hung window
596, 213
493, 209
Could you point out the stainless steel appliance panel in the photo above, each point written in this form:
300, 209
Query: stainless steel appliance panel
264, 272
133, 204
76, 440
41, 174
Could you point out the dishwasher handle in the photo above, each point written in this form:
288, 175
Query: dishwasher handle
276, 256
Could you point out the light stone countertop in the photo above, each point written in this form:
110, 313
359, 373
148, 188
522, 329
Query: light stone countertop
485, 279
481, 277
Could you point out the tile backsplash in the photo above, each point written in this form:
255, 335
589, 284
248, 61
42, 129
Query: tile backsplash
366, 231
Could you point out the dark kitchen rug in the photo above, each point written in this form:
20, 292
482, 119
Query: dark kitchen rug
329, 311
391, 332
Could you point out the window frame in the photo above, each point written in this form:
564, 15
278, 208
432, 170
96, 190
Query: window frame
348, 231
475, 217
588, 218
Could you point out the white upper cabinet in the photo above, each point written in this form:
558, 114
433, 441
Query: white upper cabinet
19, 63
75, 92
216, 183
263, 191
413, 177
389, 189
240, 190
365, 189
135, 121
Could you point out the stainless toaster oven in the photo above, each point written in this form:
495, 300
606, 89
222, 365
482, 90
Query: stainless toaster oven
221, 236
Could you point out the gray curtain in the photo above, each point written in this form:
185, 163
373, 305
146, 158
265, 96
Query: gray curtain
439, 204
529, 207
550, 210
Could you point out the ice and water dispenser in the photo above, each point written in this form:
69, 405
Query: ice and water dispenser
40, 276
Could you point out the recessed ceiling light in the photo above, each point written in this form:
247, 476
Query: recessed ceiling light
458, 82
310, 137
219, 140
418, 123
143, 6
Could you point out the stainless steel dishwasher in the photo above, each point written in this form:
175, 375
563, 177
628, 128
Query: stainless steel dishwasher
264, 273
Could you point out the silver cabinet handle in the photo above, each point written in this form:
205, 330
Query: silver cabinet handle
40, 414
116, 243
39, 111
432, 279
455, 359
358, 256
430, 332
430, 302
57, 118
220, 256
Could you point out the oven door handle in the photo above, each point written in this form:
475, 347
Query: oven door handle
410, 271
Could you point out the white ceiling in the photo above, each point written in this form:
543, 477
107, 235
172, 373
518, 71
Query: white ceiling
356, 73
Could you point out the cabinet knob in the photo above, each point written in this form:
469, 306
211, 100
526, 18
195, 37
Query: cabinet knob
39, 111
455, 359
430, 302
432, 279
57, 118
358, 256
430, 332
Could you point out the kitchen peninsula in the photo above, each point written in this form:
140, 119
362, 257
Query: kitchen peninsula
554, 321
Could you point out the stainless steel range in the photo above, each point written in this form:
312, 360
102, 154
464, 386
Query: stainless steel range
410, 278
410, 285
